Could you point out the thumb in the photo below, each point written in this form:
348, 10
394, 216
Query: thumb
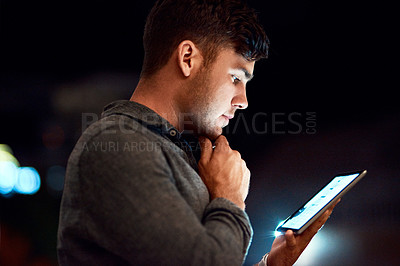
206, 148
290, 239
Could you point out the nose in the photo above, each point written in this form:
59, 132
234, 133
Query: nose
240, 100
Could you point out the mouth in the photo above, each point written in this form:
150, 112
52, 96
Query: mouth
226, 119
228, 116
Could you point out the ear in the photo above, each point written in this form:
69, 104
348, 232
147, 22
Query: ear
189, 57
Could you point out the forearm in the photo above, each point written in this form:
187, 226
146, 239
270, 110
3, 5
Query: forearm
178, 237
141, 216
222, 216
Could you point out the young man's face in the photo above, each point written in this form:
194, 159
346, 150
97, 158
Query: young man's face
216, 92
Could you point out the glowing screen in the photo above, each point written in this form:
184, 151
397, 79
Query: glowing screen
319, 201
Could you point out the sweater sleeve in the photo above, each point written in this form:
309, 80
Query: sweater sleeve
123, 207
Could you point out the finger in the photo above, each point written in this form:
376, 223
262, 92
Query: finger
317, 225
290, 239
246, 171
221, 143
334, 205
324, 217
206, 148
327, 214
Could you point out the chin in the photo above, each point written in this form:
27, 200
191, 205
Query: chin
213, 134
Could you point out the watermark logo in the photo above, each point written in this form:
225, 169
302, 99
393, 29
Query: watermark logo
274, 123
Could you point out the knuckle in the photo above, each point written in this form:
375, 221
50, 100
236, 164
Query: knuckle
236, 154
221, 139
202, 162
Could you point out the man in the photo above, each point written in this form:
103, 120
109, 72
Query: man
136, 191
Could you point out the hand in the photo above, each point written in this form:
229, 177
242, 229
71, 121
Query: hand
223, 171
286, 249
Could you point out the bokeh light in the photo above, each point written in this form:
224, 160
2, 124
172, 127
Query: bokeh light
7, 156
28, 181
23, 180
8, 176
55, 180
325, 245
53, 137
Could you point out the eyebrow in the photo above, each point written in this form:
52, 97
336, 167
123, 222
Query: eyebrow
246, 73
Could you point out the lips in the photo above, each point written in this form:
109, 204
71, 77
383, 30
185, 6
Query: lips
226, 119
228, 116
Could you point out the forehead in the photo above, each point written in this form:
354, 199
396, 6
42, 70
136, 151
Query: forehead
228, 58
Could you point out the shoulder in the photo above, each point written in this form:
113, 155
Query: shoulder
119, 138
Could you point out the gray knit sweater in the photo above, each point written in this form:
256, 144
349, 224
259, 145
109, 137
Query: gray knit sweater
133, 196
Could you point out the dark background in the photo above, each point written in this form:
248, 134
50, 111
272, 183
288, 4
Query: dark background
325, 102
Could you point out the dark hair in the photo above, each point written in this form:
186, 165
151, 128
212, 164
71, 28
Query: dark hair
209, 24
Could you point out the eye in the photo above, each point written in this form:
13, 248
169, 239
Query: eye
235, 79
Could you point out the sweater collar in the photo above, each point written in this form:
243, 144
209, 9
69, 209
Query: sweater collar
149, 118
143, 115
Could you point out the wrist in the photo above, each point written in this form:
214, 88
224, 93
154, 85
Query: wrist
263, 261
241, 205
238, 203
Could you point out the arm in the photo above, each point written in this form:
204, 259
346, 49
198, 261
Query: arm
133, 210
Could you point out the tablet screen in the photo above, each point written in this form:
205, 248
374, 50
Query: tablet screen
319, 201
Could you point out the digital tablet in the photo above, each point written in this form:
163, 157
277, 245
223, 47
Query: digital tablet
320, 202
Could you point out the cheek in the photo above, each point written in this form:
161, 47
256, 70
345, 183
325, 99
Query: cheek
224, 95
215, 98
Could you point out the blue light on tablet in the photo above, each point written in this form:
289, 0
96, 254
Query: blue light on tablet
277, 233
319, 201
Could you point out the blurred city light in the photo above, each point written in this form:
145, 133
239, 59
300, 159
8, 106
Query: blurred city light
6, 148
28, 181
6, 155
328, 245
315, 250
8, 176
55, 180
53, 137
23, 180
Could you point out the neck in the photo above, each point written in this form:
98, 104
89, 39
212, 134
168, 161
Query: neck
159, 97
